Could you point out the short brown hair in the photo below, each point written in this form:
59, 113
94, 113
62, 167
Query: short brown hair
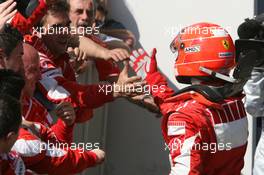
9, 39
56, 7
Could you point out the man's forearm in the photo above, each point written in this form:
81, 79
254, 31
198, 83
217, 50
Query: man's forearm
118, 44
89, 47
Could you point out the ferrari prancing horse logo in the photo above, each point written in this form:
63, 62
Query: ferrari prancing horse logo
225, 44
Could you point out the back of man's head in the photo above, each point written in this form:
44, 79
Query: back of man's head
11, 83
9, 39
30, 55
57, 8
10, 115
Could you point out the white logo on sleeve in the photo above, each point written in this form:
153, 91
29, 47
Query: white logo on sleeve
176, 128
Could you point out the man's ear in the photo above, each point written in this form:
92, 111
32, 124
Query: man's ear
11, 135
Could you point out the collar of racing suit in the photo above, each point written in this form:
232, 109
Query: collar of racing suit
203, 94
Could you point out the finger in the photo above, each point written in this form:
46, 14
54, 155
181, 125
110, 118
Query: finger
133, 79
10, 15
140, 84
5, 4
125, 52
120, 56
153, 52
137, 97
9, 9
84, 56
80, 56
76, 52
134, 87
114, 57
133, 92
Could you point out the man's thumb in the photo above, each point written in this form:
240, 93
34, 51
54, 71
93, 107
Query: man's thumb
153, 53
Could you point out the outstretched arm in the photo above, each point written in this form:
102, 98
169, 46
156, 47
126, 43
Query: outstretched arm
56, 89
84, 48
47, 158
145, 66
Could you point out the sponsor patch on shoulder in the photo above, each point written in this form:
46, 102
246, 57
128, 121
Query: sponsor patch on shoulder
192, 49
225, 54
176, 128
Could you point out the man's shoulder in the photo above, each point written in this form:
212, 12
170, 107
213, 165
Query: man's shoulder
185, 107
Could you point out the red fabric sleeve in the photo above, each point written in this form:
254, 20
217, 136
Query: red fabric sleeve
45, 158
58, 133
58, 89
24, 25
63, 132
159, 87
35, 112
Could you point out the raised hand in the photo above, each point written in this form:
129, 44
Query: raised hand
66, 112
127, 86
7, 11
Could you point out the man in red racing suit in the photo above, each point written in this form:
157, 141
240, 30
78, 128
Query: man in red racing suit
203, 137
